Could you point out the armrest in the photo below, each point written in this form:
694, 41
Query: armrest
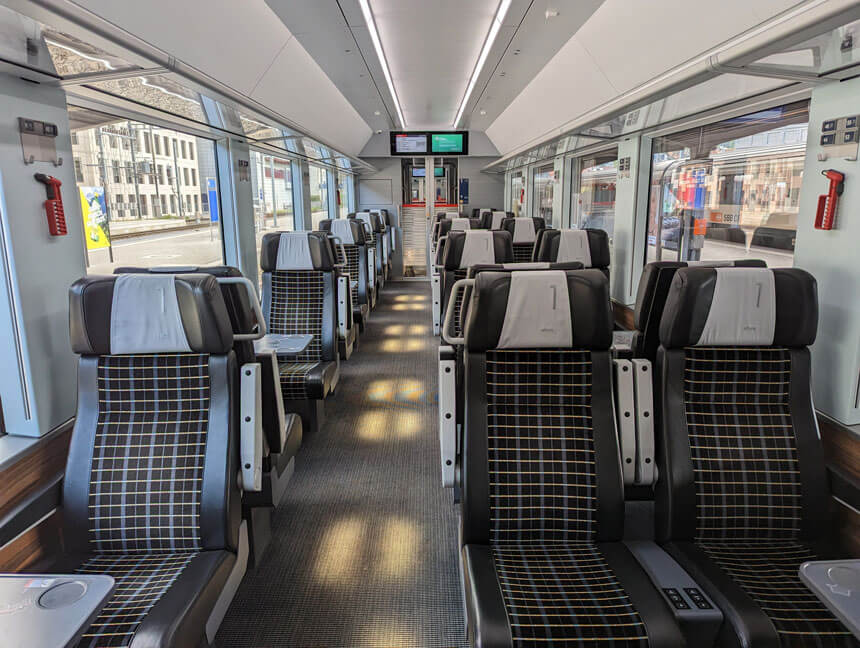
436, 294
31, 509
698, 617
644, 393
343, 310
447, 409
625, 406
251, 427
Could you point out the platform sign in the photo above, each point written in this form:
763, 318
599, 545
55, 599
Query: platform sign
212, 192
94, 210
464, 190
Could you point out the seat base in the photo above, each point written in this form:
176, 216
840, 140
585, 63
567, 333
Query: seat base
593, 593
312, 413
345, 347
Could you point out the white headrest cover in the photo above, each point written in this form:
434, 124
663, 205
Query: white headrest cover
484, 211
294, 252
743, 310
145, 316
460, 224
341, 228
452, 214
538, 312
573, 246
478, 249
498, 217
524, 230
538, 265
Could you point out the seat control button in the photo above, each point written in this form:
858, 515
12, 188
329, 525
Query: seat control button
698, 600
675, 598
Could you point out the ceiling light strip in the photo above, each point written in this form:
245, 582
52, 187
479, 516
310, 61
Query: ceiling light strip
377, 45
495, 26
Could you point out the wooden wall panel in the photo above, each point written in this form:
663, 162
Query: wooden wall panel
34, 469
841, 447
623, 315
34, 545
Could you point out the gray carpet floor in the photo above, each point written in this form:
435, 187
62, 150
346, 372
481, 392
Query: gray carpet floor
364, 548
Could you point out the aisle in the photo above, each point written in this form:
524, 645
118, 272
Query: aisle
365, 542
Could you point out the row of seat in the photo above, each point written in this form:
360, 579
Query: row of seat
740, 494
189, 419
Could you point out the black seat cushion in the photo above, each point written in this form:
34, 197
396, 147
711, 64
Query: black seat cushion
303, 380
160, 600
571, 594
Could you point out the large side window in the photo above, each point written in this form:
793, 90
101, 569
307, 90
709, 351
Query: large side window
272, 186
518, 193
594, 198
544, 182
729, 190
134, 213
319, 195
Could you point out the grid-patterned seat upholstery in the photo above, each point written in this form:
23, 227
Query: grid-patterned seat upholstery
144, 498
542, 508
351, 235
742, 419
375, 232
301, 301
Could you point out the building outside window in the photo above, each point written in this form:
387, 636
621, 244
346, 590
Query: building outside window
135, 213
272, 188
729, 190
344, 194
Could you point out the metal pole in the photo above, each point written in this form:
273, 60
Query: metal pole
176, 175
274, 197
133, 137
104, 188
154, 174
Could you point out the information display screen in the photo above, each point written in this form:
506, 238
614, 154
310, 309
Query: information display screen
408, 143
449, 143
423, 143
439, 172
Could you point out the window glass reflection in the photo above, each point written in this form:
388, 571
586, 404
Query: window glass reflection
272, 189
544, 182
319, 195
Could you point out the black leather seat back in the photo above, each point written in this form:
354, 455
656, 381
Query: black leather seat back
739, 454
153, 462
300, 298
591, 248
235, 298
488, 218
651, 300
463, 249
524, 231
540, 447
352, 236
375, 231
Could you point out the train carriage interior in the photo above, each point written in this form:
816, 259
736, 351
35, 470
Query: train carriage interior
429, 324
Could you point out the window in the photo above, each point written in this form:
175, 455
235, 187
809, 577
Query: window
112, 140
344, 194
75, 138
157, 140
544, 189
272, 189
191, 150
194, 177
594, 202
183, 149
185, 174
147, 143
319, 195
151, 224
167, 145
729, 190
517, 192
169, 174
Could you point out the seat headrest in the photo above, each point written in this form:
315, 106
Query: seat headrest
235, 296
348, 230
539, 309
657, 275
497, 218
571, 245
473, 247
523, 229
459, 224
296, 251
148, 313
740, 307
373, 220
